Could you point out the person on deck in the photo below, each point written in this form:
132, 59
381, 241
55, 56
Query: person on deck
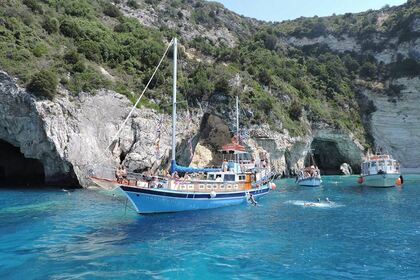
123, 172
225, 166
118, 174
175, 175
187, 177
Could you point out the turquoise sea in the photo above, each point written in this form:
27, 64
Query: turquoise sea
83, 234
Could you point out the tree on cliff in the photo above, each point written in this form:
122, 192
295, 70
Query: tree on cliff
44, 84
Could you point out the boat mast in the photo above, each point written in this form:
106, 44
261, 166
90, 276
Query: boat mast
237, 125
237, 119
174, 102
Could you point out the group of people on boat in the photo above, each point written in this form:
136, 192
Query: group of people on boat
310, 171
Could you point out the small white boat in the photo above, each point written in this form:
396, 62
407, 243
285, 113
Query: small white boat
380, 171
309, 176
309, 181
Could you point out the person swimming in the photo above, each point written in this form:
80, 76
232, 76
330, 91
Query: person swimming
318, 200
252, 200
327, 200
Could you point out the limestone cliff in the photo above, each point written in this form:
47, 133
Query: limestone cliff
294, 101
395, 124
70, 136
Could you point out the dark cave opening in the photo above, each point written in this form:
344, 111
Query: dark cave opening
16, 170
327, 156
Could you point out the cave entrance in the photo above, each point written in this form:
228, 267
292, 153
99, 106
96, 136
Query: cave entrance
16, 170
327, 156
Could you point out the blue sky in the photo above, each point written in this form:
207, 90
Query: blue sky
278, 10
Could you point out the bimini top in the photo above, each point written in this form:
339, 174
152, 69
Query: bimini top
185, 169
233, 148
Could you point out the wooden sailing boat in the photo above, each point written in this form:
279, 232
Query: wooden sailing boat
309, 176
232, 184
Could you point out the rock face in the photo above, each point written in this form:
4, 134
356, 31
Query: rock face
390, 50
73, 136
70, 136
22, 125
342, 44
224, 27
287, 154
395, 125
332, 147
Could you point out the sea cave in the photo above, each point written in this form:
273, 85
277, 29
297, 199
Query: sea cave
17, 170
329, 156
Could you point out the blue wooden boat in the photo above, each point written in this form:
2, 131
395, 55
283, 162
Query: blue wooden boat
309, 176
238, 180
314, 181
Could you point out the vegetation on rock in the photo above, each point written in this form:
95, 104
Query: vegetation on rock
90, 44
43, 84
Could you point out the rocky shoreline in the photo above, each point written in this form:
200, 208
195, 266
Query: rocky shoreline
70, 135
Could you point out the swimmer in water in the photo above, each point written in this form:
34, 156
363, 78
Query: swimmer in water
328, 200
318, 200
252, 200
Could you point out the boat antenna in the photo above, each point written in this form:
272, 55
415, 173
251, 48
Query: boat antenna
175, 44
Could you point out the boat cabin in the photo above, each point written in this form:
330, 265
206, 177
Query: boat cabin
380, 164
226, 177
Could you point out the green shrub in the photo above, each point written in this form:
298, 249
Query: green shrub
43, 84
368, 70
72, 57
33, 5
91, 50
70, 28
133, 4
295, 111
87, 81
78, 8
40, 49
79, 66
407, 67
51, 25
111, 10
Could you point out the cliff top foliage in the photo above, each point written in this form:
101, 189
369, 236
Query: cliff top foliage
90, 44
388, 21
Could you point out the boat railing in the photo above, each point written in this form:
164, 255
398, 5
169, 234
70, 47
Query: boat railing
378, 157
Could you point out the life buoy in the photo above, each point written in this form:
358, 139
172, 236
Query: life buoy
212, 194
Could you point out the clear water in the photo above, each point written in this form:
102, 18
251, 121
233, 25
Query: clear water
365, 234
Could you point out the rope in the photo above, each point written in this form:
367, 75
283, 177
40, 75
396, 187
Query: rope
141, 95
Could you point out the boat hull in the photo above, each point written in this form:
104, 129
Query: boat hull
147, 201
380, 180
309, 182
